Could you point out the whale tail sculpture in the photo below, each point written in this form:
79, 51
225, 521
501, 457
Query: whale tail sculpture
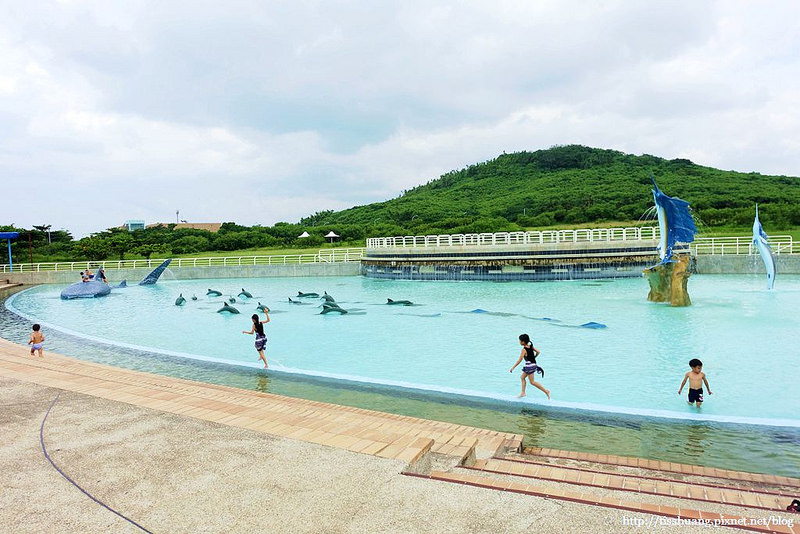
760, 242
669, 277
152, 278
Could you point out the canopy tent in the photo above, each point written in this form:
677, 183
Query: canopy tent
331, 235
10, 236
304, 234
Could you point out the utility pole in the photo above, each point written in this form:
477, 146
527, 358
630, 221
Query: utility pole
177, 216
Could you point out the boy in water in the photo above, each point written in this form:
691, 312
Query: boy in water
696, 378
37, 340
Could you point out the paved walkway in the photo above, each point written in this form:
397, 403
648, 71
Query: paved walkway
482, 459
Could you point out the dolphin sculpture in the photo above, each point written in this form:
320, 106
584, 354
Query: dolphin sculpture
96, 288
194, 297
213, 293
399, 302
180, 301
675, 223
244, 293
295, 301
760, 242
332, 308
124, 283
307, 295
227, 308
231, 300
328, 298
262, 308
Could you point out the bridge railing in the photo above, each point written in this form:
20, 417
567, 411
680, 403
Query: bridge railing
322, 256
636, 233
780, 244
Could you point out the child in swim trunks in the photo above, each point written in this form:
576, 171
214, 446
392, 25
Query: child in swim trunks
529, 354
696, 378
37, 340
261, 338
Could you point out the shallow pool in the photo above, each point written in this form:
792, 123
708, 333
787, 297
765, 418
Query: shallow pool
460, 338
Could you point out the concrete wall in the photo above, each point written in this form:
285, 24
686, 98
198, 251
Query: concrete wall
133, 276
717, 264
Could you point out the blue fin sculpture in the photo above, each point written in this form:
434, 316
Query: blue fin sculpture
152, 278
760, 242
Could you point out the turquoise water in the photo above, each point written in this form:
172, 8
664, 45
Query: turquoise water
741, 332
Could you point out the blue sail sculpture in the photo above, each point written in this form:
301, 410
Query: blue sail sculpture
675, 222
760, 242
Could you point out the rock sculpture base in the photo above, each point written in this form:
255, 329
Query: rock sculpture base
668, 281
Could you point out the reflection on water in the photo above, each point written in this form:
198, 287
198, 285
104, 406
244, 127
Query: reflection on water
746, 448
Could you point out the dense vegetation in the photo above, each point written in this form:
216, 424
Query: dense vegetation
563, 185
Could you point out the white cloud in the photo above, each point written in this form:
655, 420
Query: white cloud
264, 111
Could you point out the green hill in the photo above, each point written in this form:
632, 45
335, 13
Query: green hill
568, 185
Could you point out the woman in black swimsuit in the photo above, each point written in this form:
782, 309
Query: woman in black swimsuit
261, 338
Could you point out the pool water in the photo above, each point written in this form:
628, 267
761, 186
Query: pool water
754, 448
460, 338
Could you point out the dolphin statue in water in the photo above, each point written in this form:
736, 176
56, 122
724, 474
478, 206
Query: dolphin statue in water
295, 301
399, 302
97, 288
244, 293
675, 222
307, 295
328, 298
760, 242
227, 308
231, 300
194, 297
180, 301
262, 307
332, 308
213, 293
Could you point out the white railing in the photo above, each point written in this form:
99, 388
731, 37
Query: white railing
637, 233
323, 256
780, 244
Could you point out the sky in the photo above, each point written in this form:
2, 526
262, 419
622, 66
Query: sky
262, 111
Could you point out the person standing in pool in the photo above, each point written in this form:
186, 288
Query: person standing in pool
261, 338
37, 340
529, 354
696, 378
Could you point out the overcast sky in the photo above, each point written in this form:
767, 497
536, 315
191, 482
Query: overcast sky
265, 111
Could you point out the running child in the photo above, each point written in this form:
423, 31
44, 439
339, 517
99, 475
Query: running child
529, 353
696, 378
37, 340
261, 338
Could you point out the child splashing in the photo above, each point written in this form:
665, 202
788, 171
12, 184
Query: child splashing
529, 354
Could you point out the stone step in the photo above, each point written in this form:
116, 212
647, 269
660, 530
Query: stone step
617, 482
687, 515
668, 467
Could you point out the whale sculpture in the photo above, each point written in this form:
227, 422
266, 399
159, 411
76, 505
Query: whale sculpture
669, 277
399, 302
332, 308
244, 293
760, 242
307, 295
96, 288
227, 308
213, 293
152, 278
180, 301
